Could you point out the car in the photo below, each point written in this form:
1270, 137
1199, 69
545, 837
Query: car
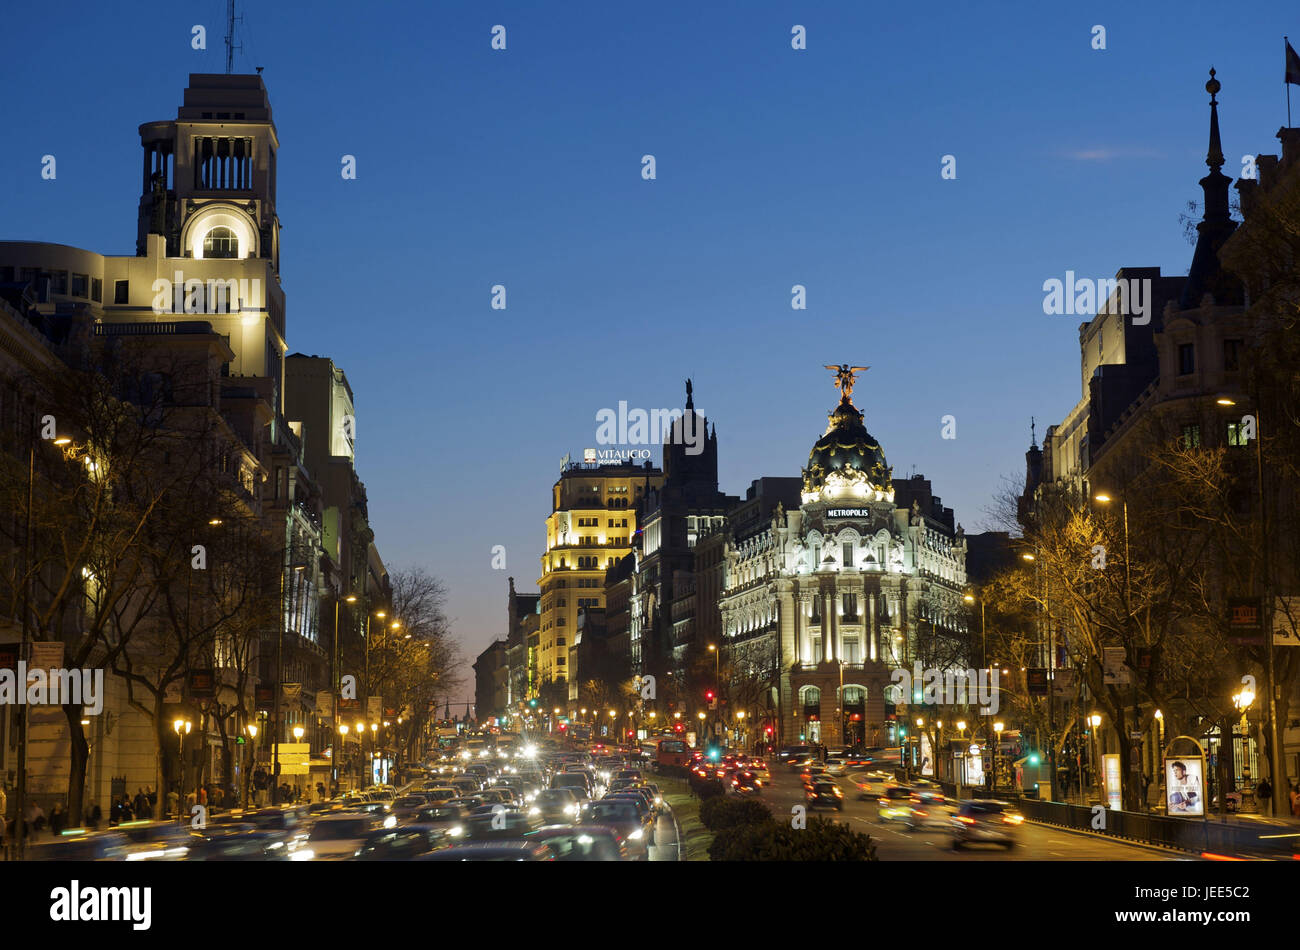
465, 784
634, 774
759, 768
240, 843
502, 796
448, 818
799, 760
980, 820
555, 805
622, 784
492, 851
745, 782
79, 844
623, 816
155, 840
895, 803
811, 771
439, 793
399, 844
929, 810
576, 780
340, 835
836, 766
406, 805
824, 791
498, 821
657, 796
788, 752
644, 809
872, 784
582, 842
639, 792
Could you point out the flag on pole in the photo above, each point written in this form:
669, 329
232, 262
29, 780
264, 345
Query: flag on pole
1292, 63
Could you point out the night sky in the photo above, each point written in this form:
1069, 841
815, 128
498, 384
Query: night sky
775, 167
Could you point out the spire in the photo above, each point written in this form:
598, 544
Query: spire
1214, 158
690, 400
1206, 275
1033, 438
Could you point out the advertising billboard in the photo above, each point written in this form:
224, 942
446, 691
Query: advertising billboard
1184, 786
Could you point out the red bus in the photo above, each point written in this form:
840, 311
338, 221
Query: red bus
672, 754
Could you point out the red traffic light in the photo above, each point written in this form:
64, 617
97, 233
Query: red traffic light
708, 694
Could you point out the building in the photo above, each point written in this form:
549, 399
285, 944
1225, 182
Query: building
821, 602
491, 673
201, 305
592, 522
521, 648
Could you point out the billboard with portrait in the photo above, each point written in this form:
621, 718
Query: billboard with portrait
1185, 786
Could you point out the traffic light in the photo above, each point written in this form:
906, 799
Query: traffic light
1033, 758
532, 703
712, 698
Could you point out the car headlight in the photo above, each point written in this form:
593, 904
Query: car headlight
534, 811
570, 809
303, 854
637, 835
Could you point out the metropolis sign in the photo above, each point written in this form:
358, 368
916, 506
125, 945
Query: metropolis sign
849, 513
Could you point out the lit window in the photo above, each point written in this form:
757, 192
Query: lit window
221, 243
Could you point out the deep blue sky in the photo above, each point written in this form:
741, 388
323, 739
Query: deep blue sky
775, 167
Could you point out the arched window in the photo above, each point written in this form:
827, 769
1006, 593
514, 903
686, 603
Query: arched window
221, 242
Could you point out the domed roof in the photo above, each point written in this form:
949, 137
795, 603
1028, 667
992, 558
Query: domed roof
846, 459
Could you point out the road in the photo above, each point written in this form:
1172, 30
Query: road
666, 847
895, 843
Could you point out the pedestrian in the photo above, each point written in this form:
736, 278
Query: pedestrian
203, 795
139, 801
173, 804
1295, 799
58, 819
94, 816
152, 794
1264, 790
127, 814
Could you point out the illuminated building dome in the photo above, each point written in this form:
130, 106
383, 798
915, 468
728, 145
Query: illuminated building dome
847, 461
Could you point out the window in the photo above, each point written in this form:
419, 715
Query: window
80, 285
97, 290
59, 282
221, 243
852, 654
1186, 359
846, 551
559, 641
121, 291
559, 661
1231, 356
1237, 434
1191, 436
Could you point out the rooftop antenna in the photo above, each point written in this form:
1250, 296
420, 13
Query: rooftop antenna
230, 36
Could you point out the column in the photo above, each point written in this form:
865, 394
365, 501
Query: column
828, 625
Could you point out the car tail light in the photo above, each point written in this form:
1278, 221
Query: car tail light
919, 812
1013, 819
965, 821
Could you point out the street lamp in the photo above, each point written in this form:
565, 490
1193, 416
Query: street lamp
997, 749
1275, 739
1094, 721
182, 727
